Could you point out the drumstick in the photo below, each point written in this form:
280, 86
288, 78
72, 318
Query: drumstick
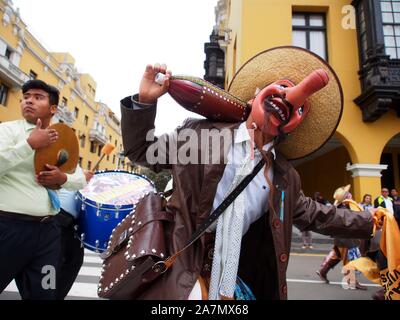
106, 151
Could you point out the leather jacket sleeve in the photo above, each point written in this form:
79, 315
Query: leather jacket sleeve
141, 146
329, 220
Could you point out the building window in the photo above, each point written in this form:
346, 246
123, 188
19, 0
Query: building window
80, 161
391, 27
8, 53
362, 32
64, 102
76, 113
89, 165
3, 49
220, 70
93, 147
32, 75
3, 94
91, 90
309, 32
99, 150
86, 121
83, 140
113, 159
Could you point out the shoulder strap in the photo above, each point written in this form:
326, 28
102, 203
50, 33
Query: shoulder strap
214, 215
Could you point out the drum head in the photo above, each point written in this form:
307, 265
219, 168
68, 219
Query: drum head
117, 188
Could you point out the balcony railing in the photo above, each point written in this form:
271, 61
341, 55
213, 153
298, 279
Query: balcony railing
97, 135
12, 74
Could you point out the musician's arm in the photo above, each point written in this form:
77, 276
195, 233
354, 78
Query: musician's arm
13, 151
140, 144
75, 181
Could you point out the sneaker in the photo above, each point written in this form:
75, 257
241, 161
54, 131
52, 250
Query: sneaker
347, 286
304, 247
310, 247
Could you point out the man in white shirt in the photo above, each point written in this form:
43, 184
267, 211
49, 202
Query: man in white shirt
30, 240
384, 200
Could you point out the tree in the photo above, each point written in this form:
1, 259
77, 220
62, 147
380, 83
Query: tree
160, 180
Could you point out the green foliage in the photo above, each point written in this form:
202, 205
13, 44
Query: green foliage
160, 179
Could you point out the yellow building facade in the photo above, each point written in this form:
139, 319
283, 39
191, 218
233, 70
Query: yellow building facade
361, 151
22, 58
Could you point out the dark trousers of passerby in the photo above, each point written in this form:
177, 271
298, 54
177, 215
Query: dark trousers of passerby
306, 237
29, 253
71, 255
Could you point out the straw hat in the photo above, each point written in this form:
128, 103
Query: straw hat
340, 194
295, 64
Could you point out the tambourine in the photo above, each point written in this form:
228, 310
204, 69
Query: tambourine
64, 153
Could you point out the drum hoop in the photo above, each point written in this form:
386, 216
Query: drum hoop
102, 207
95, 249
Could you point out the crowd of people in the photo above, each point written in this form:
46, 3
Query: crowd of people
345, 250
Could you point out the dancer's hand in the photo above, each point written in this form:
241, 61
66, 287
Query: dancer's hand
150, 90
378, 215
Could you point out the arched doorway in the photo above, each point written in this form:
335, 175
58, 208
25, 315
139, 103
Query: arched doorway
391, 157
325, 170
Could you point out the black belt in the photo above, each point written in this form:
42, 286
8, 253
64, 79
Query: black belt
24, 217
64, 219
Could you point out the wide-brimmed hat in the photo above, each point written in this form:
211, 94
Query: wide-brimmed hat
294, 64
340, 194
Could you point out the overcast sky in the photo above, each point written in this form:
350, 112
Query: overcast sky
114, 40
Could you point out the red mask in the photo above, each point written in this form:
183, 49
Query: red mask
284, 104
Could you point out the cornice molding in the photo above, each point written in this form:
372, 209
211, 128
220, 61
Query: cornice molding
366, 169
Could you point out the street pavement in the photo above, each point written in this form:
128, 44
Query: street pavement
84, 288
303, 282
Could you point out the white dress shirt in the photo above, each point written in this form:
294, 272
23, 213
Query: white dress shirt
257, 190
388, 204
19, 191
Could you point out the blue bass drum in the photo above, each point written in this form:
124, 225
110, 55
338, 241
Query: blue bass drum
107, 199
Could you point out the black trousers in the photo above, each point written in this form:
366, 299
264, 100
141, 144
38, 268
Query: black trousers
71, 255
29, 253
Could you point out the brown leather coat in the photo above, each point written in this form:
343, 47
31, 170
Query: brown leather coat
265, 247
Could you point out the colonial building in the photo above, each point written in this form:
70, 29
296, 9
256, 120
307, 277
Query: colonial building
361, 41
23, 57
